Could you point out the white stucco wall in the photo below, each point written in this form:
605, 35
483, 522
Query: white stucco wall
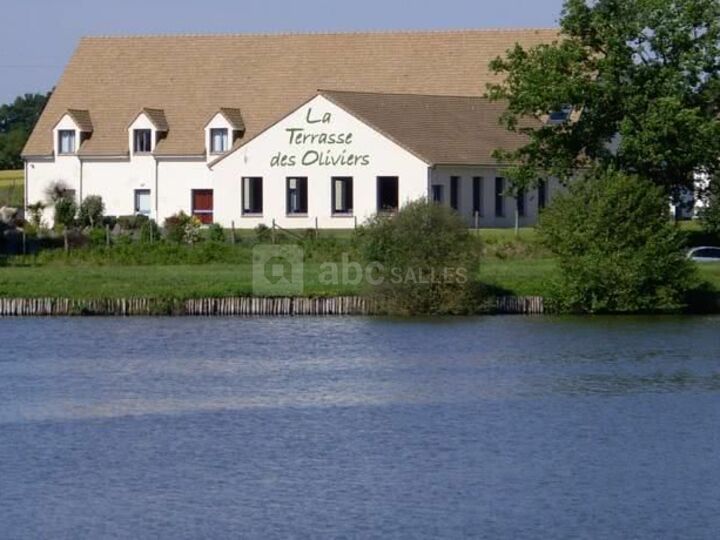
256, 159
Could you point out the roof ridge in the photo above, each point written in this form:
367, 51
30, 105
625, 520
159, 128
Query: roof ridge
416, 94
325, 33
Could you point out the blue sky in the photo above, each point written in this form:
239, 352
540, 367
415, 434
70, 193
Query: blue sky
38, 36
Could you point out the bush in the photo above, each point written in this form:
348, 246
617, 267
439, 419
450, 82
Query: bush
57, 190
618, 250
65, 212
182, 228
132, 222
91, 212
149, 232
216, 233
35, 212
424, 259
263, 233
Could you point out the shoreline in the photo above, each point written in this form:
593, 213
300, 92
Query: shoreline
242, 306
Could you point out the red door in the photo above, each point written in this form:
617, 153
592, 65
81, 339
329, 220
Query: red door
202, 205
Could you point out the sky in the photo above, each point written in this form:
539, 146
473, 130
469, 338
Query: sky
37, 37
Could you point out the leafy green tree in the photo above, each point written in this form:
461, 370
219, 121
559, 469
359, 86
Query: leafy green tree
617, 249
17, 120
65, 212
641, 81
421, 260
91, 211
710, 214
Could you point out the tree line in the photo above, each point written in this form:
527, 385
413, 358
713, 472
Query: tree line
17, 120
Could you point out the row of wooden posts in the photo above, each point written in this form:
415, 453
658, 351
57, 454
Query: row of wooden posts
236, 306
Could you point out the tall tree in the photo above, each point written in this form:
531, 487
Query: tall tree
17, 120
642, 81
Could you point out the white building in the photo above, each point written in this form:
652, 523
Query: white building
234, 130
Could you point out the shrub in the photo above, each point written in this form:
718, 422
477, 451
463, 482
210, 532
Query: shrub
91, 211
36, 214
263, 233
216, 233
65, 212
149, 232
182, 228
132, 222
424, 258
618, 250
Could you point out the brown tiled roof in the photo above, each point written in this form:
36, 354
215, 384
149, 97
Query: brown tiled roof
192, 77
234, 116
441, 130
81, 119
157, 117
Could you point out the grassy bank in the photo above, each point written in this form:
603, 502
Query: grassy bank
516, 266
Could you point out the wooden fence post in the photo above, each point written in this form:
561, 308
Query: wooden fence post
232, 232
272, 234
107, 235
65, 241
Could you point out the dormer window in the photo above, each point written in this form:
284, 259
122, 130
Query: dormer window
218, 140
561, 116
66, 141
142, 141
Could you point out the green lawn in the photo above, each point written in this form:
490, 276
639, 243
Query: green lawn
182, 281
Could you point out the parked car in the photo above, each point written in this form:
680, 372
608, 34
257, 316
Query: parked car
705, 254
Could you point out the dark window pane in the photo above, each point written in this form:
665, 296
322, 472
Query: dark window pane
455, 192
387, 193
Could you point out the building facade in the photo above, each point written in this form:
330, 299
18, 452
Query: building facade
226, 144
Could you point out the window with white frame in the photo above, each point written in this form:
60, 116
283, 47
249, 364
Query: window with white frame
143, 202
252, 195
297, 195
342, 195
219, 140
142, 141
66, 141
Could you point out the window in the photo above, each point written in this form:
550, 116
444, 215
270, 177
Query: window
561, 116
499, 197
477, 195
297, 195
142, 141
342, 195
437, 193
143, 203
520, 202
66, 141
542, 194
387, 193
252, 195
202, 205
218, 140
454, 192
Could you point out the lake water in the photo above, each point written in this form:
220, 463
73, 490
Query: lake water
504, 427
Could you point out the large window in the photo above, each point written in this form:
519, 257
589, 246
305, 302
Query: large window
477, 195
455, 192
218, 140
387, 194
202, 205
437, 193
252, 195
500, 197
297, 195
342, 195
142, 141
66, 141
143, 202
